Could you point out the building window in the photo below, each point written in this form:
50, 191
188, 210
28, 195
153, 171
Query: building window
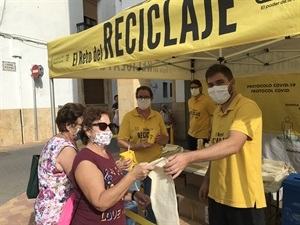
89, 21
93, 91
86, 24
171, 89
165, 89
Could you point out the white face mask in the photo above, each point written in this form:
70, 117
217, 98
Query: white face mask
103, 139
195, 92
144, 103
76, 134
219, 94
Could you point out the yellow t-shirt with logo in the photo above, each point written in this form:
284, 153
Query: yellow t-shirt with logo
236, 180
201, 111
135, 128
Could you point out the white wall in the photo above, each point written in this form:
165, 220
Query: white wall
26, 27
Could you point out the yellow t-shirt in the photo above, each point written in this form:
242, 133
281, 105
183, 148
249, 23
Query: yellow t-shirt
201, 111
135, 128
236, 180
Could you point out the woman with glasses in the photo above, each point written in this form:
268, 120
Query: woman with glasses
134, 133
99, 186
55, 164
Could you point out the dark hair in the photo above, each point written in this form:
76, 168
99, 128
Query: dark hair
144, 88
68, 114
218, 68
197, 82
116, 96
91, 114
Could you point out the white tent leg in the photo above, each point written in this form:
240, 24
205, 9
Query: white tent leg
52, 101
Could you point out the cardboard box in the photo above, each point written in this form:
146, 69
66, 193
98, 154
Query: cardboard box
189, 205
194, 179
180, 181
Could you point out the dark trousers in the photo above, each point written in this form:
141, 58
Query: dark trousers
147, 190
220, 214
192, 142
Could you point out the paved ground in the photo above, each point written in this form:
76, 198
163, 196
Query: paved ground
15, 161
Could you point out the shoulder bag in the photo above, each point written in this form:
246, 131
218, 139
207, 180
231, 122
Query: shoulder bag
33, 184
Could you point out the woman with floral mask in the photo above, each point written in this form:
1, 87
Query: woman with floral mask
100, 188
134, 132
201, 110
55, 164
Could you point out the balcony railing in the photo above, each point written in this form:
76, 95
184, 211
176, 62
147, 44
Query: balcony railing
82, 26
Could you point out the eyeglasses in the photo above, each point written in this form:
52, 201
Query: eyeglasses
142, 97
194, 88
103, 126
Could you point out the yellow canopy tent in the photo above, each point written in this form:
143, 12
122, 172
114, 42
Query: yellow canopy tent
178, 39
176, 34
160, 32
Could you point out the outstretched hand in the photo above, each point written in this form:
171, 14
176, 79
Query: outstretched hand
176, 164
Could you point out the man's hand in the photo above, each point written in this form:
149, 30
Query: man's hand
176, 164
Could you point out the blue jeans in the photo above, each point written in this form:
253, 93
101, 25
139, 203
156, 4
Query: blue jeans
147, 190
132, 205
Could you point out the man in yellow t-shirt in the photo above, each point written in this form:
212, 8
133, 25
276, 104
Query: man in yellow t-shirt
201, 109
233, 182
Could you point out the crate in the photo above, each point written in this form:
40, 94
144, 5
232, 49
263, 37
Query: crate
189, 205
291, 200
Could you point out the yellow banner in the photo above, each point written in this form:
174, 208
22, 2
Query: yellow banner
278, 98
158, 29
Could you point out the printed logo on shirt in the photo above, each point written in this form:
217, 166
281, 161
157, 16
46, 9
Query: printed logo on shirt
195, 113
111, 215
219, 136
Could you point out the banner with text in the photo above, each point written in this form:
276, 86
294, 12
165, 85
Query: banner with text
278, 98
159, 29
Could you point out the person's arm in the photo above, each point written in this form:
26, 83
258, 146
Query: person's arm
162, 139
203, 191
91, 181
220, 150
65, 159
133, 146
141, 198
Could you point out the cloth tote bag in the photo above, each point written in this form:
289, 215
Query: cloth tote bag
33, 184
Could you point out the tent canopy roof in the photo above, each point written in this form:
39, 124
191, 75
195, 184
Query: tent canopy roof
167, 40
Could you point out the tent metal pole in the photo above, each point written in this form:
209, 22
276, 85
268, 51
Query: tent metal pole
192, 69
285, 59
255, 47
221, 57
52, 101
